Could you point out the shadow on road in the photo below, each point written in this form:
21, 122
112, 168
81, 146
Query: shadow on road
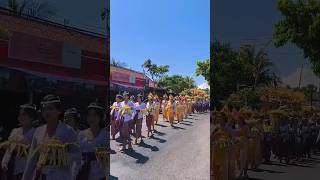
266, 170
300, 165
140, 159
153, 148
160, 133
161, 125
113, 178
159, 139
275, 164
186, 124
176, 127
187, 121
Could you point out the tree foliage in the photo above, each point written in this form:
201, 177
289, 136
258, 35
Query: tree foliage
117, 63
176, 83
155, 71
301, 26
236, 69
203, 69
33, 8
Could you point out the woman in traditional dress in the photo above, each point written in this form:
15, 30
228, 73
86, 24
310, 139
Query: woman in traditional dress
125, 116
72, 118
54, 146
164, 109
220, 155
244, 135
115, 124
179, 110
139, 108
18, 143
94, 145
157, 109
170, 110
149, 115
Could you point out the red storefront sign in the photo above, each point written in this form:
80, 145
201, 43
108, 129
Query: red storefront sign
126, 77
93, 66
35, 49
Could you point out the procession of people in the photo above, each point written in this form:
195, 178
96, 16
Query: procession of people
128, 114
52, 145
244, 139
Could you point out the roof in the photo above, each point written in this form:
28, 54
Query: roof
83, 39
52, 23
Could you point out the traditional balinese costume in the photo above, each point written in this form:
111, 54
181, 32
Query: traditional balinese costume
17, 148
51, 158
115, 123
95, 156
139, 111
220, 154
157, 109
125, 115
170, 110
164, 108
150, 112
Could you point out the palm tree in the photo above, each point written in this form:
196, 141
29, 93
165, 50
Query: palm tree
257, 65
105, 15
31, 7
116, 63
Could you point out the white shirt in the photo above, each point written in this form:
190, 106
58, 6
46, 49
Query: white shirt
114, 111
65, 134
18, 136
138, 106
150, 106
126, 117
88, 143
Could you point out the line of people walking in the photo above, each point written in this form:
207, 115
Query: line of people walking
58, 148
128, 114
243, 140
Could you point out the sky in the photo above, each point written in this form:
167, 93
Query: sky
80, 13
174, 33
252, 22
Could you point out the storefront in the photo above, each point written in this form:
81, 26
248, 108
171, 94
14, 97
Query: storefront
40, 57
122, 79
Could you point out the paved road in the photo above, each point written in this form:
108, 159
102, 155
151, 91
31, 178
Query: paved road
175, 153
308, 169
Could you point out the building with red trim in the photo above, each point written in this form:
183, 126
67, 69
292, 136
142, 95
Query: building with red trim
38, 57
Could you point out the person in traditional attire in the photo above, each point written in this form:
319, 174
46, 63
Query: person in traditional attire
220, 151
179, 107
163, 106
125, 115
149, 115
115, 123
157, 109
244, 136
185, 107
72, 118
54, 146
267, 141
139, 111
170, 110
19, 142
94, 145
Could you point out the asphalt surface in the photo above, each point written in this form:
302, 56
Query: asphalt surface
175, 153
307, 169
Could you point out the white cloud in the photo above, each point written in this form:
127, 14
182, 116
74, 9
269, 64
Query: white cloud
204, 86
307, 77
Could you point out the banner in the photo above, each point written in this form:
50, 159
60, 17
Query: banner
35, 49
71, 56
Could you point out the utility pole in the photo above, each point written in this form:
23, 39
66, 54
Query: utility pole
300, 76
